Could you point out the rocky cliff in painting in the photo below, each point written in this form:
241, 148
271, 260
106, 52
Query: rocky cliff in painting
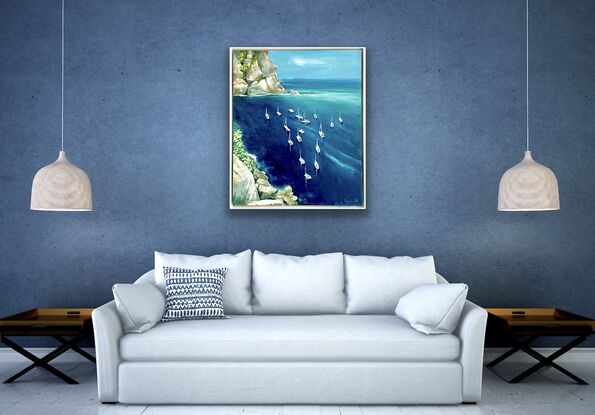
244, 186
251, 186
254, 73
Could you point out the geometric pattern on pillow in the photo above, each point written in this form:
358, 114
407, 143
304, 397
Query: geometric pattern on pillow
193, 294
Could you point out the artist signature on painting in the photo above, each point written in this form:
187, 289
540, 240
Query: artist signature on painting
350, 201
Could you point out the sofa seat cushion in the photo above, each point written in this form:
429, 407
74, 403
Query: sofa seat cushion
252, 338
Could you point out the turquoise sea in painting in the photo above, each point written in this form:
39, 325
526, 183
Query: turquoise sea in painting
333, 104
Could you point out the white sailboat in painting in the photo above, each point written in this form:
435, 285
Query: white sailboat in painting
287, 129
316, 166
305, 120
298, 137
320, 132
302, 161
317, 147
340, 118
289, 141
278, 112
306, 175
266, 114
298, 116
290, 110
301, 131
315, 114
332, 124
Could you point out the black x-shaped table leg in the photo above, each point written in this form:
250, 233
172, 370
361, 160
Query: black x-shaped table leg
44, 361
543, 361
73, 346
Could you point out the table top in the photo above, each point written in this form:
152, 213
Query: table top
539, 317
44, 319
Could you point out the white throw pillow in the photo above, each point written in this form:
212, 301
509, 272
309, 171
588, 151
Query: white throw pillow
140, 306
286, 284
237, 293
375, 284
433, 308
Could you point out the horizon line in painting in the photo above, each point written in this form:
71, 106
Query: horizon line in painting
297, 128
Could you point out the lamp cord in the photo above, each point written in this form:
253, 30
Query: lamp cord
526, 86
527, 65
62, 80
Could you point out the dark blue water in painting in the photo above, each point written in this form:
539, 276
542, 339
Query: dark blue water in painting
339, 180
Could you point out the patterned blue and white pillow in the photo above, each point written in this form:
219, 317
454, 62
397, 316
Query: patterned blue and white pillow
193, 294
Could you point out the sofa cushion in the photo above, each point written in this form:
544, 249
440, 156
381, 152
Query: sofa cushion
433, 308
140, 306
375, 284
252, 338
193, 294
237, 294
284, 284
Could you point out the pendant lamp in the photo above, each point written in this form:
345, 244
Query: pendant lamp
61, 186
528, 186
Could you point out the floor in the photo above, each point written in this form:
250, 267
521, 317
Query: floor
546, 393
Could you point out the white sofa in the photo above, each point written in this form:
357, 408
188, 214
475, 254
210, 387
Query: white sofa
269, 357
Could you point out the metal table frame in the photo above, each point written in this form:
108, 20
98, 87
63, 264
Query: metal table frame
44, 362
542, 361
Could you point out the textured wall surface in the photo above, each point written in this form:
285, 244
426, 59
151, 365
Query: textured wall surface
147, 119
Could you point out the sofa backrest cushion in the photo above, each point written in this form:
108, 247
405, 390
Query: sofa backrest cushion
284, 284
237, 293
375, 284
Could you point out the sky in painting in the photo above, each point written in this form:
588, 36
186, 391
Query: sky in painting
317, 64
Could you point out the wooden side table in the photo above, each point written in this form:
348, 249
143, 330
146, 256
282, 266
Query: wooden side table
57, 323
522, 326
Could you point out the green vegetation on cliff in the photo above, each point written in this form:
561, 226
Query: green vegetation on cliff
251, 186
240, 150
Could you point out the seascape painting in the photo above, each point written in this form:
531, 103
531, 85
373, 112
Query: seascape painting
297, 128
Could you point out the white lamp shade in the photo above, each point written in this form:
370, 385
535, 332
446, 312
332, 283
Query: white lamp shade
528, 186
61, 186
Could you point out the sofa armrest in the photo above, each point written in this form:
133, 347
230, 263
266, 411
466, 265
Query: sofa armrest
108, 330
471, 333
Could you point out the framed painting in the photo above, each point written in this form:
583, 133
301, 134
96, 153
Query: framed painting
297, 128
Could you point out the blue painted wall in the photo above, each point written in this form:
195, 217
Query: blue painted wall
147, 119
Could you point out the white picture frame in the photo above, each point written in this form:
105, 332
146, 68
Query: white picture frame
363, 202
